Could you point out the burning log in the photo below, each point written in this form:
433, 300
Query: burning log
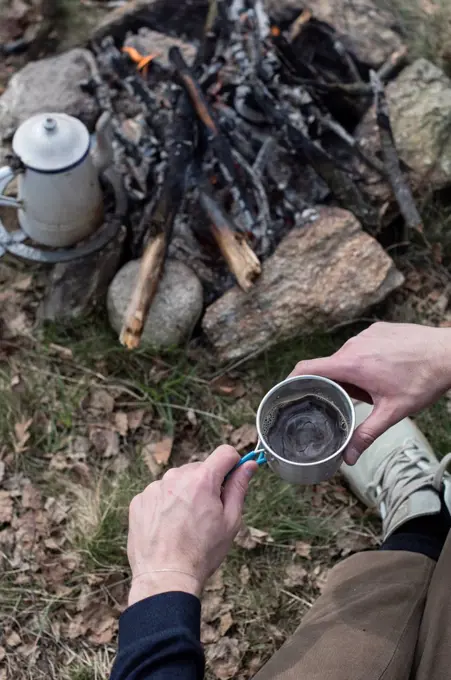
398, 181
240, 257
145, 289
180, 150
217, 141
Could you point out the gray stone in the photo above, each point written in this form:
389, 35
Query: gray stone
75, 288
51, 85
152, 42
420, 111
363, 26
175, 311
173, 17
116, 21
328, 272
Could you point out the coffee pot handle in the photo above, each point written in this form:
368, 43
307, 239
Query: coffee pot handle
7, 175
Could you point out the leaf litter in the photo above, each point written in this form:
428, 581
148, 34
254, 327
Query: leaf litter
37, 546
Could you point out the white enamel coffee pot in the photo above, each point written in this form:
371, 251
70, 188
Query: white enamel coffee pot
60, 200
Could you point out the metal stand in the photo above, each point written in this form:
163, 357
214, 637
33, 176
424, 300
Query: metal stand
13, 242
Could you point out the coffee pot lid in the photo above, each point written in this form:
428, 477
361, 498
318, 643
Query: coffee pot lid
51, 142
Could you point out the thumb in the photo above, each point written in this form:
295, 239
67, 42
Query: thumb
234, 493
380, 420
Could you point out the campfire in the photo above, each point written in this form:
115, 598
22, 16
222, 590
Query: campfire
230, 152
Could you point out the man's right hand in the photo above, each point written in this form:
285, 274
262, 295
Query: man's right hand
400, 368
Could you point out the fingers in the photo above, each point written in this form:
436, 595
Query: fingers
380, 420
222, 461
327, 367
234, 493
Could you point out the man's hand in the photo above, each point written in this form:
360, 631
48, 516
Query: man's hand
400, 368
182, 527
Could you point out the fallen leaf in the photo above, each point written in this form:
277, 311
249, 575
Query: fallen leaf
101, 402
254, 665
295, 575
244, 436
79, 448
214, 606
2, 653
303, 549
429, 7
224, 658
216, 582
29, 651
105, 631
15, 381
152, 465
211, 607
59, 462
63, 352
160, 451
260, 536
319, 577
245, 575
6, 507
135, 419
121, 423
76, 628
105, 441
13, 640
228, 387
225, 623
348, 543
249, 537
31, 497
208, 634
22, 434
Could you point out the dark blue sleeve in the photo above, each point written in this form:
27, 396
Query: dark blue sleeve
159, 638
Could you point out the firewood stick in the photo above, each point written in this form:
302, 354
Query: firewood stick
398, 180
241, 259
144, 292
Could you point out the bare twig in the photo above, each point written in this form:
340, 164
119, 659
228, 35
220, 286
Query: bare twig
398, 181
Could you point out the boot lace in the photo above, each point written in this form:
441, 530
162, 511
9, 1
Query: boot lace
414, 473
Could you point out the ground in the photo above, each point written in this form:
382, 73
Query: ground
84, 425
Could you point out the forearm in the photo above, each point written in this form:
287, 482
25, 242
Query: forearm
159, 638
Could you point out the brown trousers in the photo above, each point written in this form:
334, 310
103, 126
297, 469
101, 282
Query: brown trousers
383, 615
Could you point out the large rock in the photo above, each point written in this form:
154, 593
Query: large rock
51, 85
328, 272
173, 17
175, 311
152, 42
363, 26
420, 105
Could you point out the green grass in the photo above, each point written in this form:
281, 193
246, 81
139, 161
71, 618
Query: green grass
427, 34
283, 510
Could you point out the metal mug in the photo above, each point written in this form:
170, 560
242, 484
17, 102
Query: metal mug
291, 390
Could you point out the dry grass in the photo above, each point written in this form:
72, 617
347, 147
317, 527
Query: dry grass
426, 27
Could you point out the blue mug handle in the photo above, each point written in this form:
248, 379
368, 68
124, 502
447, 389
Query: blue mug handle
258, 455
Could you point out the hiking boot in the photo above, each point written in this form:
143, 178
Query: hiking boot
399, 475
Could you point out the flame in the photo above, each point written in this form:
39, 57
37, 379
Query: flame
143, 62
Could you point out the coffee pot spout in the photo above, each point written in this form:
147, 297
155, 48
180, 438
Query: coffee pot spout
103, 152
